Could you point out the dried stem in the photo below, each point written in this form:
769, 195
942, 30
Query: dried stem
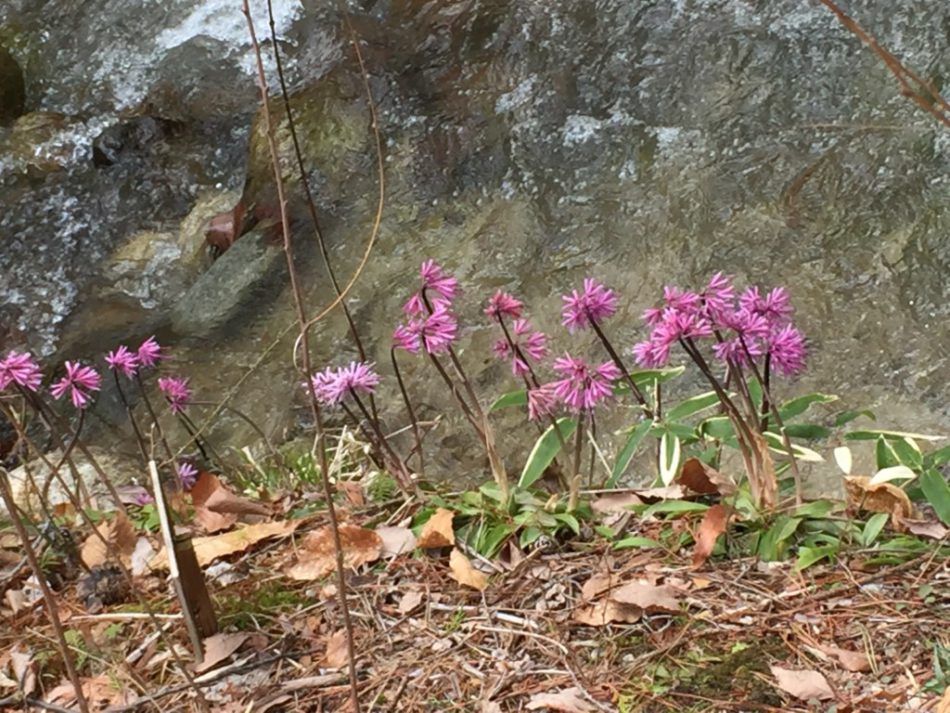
305, 343
411, 411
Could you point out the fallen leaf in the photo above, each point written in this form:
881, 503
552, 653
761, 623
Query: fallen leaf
317, 556
570, 700
217, 648
204, 488
396, 540
353, 492
410, 601
597, 585
208, 549
100, 692
943, 706
704, 479
803, 684
464, 573
489, 707
24, 670
225, 502
713, 525
667, 492
337, 654
438, 532
882, 497
926, 528
856, 661
649, 597
121, 538
607, 611
141, 555
615, 502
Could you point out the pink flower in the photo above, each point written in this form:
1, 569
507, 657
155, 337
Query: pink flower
749, 325
358, 376
542, 401
737, 351
775, 307
652, 354
593, 304
79, 381
680, 299
187, 474
503, 305
529, 342
435, 280
176, 391
786, 349
719, 294
583, 386
19, 368
435, 332
326, 386
143, 498
149, 352
124, 360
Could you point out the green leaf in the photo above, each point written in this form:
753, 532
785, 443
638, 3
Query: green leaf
545, 449
772, 544
645, 543
692, 405
884, 454
777, 444
529, 536
645, 378
817, 509
512, 398
846, 417
940, 456
807, 556
872, 435
873, 528
608, 533
937, 492
755, 392
670, 452
569, 520
719, 427
628, 451
796, 407
808, 431
908, 453
674, 507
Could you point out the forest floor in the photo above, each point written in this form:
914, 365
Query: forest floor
572, 625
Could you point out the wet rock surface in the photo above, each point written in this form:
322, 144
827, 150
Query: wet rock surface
524, 147
12, 87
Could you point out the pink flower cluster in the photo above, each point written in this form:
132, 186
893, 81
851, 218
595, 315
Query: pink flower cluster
430, 324
331, 385
124, 360
528, 343
21, 369
583, 385
79, 382
176, 392
593, 304
744, 328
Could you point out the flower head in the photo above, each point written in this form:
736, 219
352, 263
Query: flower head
20, 368
359, 376
149, 352
121, 359
176, 391
143, 498
775, 307
187, 474
434, 279
326, 386
583, 385
503, 304
719, 294
529, 344
542, 401
434, 332
786, 349
593, 304
79, 381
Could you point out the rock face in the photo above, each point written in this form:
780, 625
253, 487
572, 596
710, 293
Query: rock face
239, 279
644, 143
12, 88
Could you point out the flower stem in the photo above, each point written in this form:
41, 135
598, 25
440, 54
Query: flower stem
634, 389
411, 411
575, 483
402, 474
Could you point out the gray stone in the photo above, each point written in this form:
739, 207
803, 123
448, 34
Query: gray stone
12, 88
232, 284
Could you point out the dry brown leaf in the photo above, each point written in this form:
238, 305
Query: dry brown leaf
119, 533
489, 707
141, 556
396, 540
570, 700
410, 601
223, 502
438, 532
856, 661
464, 573
337, 654
881, 497
24, 670
704, 479
649, 597
101, 692
317, 556
713, 525
943, 706
217, 648
607, 611
204, 488
803, 684
925, 528
615, 502
208, 549
597, 585
667, 492
353, 492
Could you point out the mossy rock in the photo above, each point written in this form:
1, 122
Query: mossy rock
332, 125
